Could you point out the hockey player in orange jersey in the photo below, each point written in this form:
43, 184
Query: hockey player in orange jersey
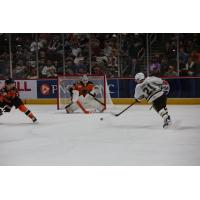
82, 96
9, 97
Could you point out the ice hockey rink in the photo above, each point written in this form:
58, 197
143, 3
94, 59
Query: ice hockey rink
134, 138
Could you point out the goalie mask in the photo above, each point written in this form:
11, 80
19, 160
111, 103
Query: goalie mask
85, 79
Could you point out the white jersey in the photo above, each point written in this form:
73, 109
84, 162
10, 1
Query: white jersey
150, 89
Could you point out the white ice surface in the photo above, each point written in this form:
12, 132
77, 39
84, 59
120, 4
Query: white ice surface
134, 138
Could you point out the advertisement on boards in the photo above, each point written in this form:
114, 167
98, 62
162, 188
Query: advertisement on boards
27, 88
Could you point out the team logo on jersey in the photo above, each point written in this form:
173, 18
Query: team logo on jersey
45, 89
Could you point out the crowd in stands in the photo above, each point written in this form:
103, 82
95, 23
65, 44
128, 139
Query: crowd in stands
4, 56
166, 63
132, 54
46, 55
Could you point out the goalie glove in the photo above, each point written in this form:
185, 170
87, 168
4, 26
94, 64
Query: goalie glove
95, 91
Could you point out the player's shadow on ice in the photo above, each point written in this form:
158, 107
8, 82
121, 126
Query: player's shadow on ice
133, 126
178, 125
188, 128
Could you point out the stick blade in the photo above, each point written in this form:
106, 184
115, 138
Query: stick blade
115, 114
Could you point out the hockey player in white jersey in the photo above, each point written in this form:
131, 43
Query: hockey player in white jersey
154, 90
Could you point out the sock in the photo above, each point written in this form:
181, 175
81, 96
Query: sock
26, 111
163, 113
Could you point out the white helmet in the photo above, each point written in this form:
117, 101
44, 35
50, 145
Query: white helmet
84, 79
139, 77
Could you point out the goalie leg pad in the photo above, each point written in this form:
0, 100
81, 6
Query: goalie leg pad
96, 105
82, 107
70, 108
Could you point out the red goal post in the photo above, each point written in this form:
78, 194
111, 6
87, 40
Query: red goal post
64, 82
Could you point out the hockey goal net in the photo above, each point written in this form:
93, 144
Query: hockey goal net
64, 82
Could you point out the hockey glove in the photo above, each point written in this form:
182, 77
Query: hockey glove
6, 108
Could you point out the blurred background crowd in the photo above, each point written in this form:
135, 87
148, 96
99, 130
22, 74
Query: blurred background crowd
47, 55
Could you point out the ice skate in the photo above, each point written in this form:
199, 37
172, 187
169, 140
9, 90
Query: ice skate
167, 122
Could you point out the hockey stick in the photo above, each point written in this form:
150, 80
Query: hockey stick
96, 99
151, 107
116, 115
82, 108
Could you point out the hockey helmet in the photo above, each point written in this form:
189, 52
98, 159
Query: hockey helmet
9, 81
139, 77
84, 79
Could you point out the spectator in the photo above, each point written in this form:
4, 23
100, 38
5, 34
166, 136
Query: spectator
19, 53
81, 68
32, 73
183, 56
42, 54
42, 41
155, 69
69, 68
190, 66
78, 58
34, 46
95, 45
5, 56
54, 43
76, 50
96, 70
102, 59
107, 51
196, 69
4, 69
170, 71
49, 70
20, 70
163, 65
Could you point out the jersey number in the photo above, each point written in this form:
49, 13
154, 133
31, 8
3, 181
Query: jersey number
149, 90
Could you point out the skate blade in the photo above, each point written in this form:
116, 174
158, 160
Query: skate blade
167, 125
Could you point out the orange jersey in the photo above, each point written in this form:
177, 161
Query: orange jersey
8, 95
83, 89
